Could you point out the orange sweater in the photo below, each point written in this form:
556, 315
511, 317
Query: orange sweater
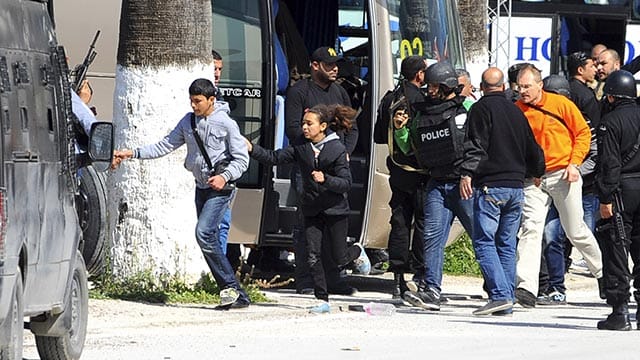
561, 146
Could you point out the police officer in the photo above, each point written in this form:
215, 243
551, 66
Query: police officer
619, 178
406, 179
436, 134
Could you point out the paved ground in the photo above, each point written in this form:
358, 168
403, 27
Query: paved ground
283, 329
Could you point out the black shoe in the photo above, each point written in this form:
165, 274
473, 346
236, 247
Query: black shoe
619, 322
525, 298
305, 291
601, 293
346, 290
493, 306
426, 299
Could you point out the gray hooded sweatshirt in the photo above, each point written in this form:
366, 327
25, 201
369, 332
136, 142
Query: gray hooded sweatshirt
222, 140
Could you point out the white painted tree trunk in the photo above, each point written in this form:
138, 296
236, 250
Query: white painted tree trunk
152, 201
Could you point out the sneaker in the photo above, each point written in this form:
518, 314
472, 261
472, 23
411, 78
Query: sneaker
525, 298
361, 265
581, 264
238, 304
228, 296
506, 312
493, 306
322, 308
427, 299
553, 298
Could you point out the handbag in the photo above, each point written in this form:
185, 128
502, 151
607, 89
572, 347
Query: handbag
220, 166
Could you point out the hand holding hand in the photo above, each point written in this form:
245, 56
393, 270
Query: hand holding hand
249, 145
217, 182
318, 176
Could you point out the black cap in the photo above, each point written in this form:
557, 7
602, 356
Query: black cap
325, 54
411, 65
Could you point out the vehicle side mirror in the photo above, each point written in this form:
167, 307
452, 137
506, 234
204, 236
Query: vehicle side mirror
101, 145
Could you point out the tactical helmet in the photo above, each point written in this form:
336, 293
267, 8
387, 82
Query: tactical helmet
441, 73
620, 84
557, 84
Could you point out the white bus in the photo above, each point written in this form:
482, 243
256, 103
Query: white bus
263, 43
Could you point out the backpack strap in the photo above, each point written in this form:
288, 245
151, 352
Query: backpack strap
199, 142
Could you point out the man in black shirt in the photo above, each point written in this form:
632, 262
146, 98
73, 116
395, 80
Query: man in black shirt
500, 151
319, 89
619, 177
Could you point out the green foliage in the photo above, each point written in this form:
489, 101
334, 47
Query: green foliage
167, 289
460, 259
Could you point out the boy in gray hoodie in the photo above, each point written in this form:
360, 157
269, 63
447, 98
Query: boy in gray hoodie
224, 144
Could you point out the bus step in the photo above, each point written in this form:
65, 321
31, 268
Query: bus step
278, 239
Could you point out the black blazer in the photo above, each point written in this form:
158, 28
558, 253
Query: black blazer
329, 197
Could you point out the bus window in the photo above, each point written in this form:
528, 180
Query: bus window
426, 28
636, 9
237, 36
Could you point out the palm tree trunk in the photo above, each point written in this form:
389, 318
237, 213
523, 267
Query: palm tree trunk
473, 21
163, 46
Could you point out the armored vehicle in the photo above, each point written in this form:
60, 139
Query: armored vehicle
43, 278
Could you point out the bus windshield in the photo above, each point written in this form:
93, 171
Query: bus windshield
426, 28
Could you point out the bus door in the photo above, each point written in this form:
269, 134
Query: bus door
242, 35
579, 32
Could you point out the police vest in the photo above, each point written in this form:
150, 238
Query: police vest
438, 139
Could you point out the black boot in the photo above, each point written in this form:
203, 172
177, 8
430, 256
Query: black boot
399, 286
617, 320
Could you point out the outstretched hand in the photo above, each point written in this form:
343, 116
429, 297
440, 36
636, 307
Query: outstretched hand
119, 156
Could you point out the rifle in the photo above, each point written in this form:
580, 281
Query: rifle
80, 71
617, 221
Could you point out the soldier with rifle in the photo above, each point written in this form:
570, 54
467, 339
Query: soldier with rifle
618, 231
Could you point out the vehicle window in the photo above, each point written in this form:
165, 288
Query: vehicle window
428, 28
237, 36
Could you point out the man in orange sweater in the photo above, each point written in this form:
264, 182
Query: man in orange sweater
564, 136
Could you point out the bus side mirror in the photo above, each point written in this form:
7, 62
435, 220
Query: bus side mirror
101, 145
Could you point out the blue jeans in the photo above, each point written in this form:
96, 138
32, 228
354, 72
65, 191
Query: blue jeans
554, 240
442, 203
225, 224
210, 207
497, 213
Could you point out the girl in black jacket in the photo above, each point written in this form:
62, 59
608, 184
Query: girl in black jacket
326, 179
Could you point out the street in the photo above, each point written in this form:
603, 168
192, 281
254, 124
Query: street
283, 329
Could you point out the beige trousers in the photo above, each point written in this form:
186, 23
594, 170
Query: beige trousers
567, 197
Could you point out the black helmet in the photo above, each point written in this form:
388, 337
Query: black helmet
620, 84
557, 84
441, 73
